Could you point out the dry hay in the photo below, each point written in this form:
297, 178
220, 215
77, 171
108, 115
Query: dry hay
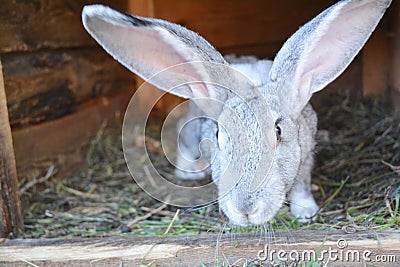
356, 180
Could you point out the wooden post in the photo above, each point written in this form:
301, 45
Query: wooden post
394, 75
10, 205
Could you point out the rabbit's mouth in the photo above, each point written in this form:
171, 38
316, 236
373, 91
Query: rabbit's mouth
257, 213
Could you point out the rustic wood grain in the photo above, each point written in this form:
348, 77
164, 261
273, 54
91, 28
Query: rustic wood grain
37, 24
10, 206
47, 85
63, 142
191, 250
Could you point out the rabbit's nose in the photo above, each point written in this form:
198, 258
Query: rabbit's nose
243, 213
245, 208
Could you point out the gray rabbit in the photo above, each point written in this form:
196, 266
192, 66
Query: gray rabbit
309, 60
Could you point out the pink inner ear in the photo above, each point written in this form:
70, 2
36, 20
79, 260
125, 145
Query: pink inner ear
338, 43
148, 48
146, 52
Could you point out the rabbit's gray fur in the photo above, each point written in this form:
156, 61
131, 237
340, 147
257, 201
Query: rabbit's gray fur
313, 57
292, 165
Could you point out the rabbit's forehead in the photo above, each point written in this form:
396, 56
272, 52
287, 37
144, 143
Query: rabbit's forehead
254, 122
260, 104
248, 143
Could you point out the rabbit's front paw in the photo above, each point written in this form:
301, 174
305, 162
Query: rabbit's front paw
303, 206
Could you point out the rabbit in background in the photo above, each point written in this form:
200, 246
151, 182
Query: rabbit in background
309, 60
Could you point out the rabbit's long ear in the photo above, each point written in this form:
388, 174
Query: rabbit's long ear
322, 49
148, 46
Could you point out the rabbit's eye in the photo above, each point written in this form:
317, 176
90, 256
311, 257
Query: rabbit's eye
278, 131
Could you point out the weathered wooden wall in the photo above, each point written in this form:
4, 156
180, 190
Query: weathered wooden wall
45, 24
60, 85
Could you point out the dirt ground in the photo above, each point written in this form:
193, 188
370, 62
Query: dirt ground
356, 183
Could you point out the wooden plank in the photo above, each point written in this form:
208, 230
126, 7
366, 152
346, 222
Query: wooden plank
63, 142
10, 206
37, 24
394, 76
204, 249
47, 85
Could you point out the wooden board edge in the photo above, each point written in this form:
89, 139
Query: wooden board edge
191, 250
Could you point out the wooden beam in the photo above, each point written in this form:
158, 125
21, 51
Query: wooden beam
196, 250
32, 25
11, 219
47, 85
